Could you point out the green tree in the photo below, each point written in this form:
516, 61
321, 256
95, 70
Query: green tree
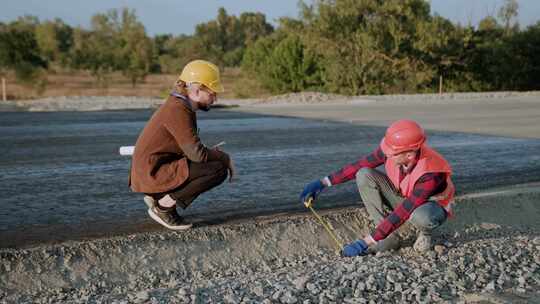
54, 38
177, 52
445, 48
218, 37
136, 48
256, 56
488, 24
253, 26
522, 70
507, 13
224, 40
370, 46
117, 41
158, 49
282, 63
292, 67
97, 50
19, 51
493, 60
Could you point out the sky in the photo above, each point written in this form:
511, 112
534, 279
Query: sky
180, 16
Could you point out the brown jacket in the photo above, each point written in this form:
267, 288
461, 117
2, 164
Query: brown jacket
160, 160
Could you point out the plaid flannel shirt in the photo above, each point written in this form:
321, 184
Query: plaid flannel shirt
426, 186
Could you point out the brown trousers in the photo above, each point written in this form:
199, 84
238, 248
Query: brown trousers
202, 177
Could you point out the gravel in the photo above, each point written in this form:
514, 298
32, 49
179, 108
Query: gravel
85, 103
482, 266
98, 103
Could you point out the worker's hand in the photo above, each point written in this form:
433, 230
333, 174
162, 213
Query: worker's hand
355, 248
227, 160
311, 190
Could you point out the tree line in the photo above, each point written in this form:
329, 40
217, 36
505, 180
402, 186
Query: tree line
340, 46
117, 42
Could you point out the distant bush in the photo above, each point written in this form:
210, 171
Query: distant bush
283, 64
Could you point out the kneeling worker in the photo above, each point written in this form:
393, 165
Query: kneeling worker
416, 185
170, 165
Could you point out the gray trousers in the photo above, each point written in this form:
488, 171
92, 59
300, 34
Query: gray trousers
378, 192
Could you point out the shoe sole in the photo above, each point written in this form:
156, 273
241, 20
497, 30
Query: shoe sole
150, 202
386, 245
160, 221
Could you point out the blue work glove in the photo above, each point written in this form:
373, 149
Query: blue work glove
311, 190
355, 248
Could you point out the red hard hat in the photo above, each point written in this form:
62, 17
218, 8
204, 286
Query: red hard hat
402, 135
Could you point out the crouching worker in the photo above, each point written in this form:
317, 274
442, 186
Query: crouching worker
416, 187
170, 165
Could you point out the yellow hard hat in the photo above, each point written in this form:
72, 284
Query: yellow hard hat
203, 72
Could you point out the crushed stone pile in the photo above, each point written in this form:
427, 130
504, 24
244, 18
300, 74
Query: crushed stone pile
304, 98
457, 95
482, 271
87, 103
286, 259
493, 270
100, 103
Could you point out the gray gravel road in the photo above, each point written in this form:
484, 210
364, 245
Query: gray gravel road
62, 177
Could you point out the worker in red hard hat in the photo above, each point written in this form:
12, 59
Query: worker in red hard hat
416, 187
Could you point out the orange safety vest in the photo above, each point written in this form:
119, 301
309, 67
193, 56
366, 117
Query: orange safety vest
429, 162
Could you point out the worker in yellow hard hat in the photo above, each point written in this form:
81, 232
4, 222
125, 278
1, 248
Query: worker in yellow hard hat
170, 164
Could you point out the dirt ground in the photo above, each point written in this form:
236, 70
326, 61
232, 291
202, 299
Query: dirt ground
78, 83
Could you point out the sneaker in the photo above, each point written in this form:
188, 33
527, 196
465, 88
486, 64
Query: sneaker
149, 201
168, 218
391, 242
423, 242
